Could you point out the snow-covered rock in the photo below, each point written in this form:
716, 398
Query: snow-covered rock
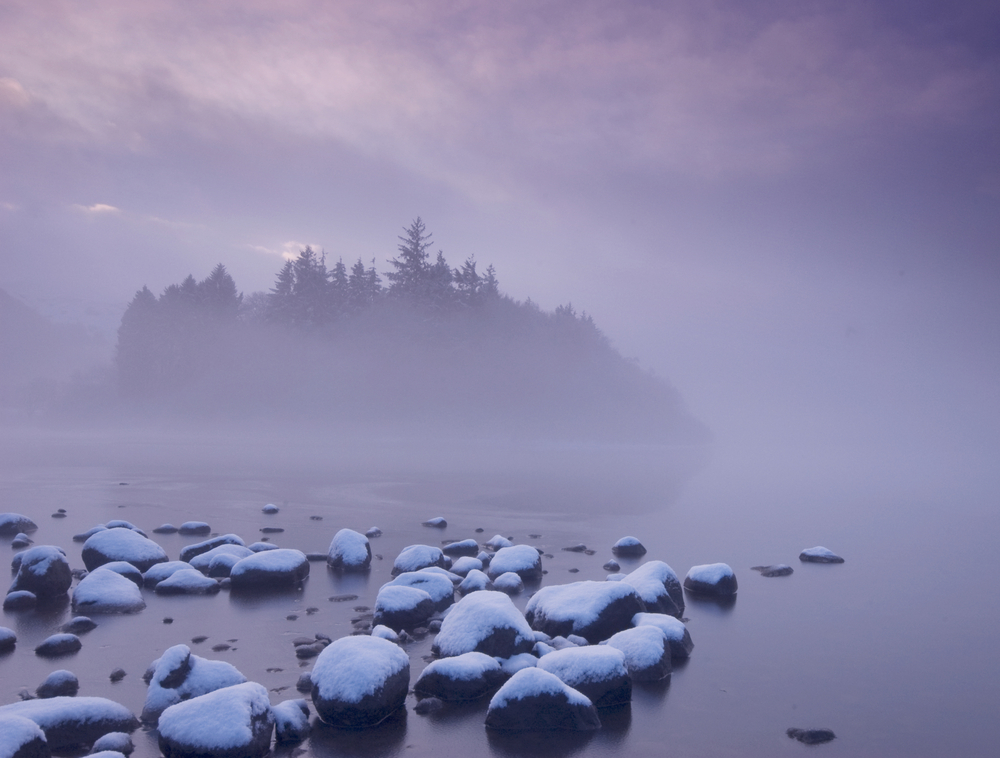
463, 565
659, 588
469, 676
484, 622
349, 551
593, 610
258, 547
775, 569
401, 607
104, 591
161, 571
121, 545
59, 644
127, 570
716, 579
468, 548
270, 508
534, 700
438, 522
59, 683
119, 742
19, 600
78, 625
523, 560
380, 630
165, 529
12, 523
21, 540
359, 681
221, 565
8, 640
628, 547
203, 561
416, 557
232, 722
190, 551
673, 629
274, 568
647, 653
187, 582
497, 541
509, 583
22, 738
452, 577
194, 527
438, 586
291, 720
517, 662
179, 675
474, 581
598, 671
44, 571
71, 721
819, 555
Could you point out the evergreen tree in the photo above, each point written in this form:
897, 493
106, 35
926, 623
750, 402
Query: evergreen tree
468, 282
309, 301
218, 294
338, 290
137, 354
411, 271
281, 297
440, 295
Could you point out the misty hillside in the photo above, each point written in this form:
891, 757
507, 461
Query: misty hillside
437, 349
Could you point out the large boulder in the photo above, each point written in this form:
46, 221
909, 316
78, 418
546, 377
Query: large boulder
179, 675
72, 721
659, 587
22, 738
359, 681
271, 569
438, 586
43, 571
673, 629
597, 671
469, 676
523, 560
416, 557
349, 551
628, 547
535, 700
713, 579
232, 722
12, 523
121, 544
104, 591
484, 622
592, 610
401, 607
161, 571
203, 561
647, 653
187, 582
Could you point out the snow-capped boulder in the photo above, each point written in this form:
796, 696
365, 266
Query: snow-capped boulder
127, 570
8, 640
104, 591
452, 577
359, 681
270, 508
19, 600
523, 560
497, 541
484, 622
715, 579
258, 547
221, 566
438, 522
349, 551
61, 683
461, 548
819, 555
534, 700
659, 588
165, 529
118, 742
59, 644
597, 671
190, 551
593, 610
121, 545
438, 586
401, 607
71, 721
510, 583
647, 653
194, 528
474, 581
463, 565
187, 582
673, 629
78, 625
44, 571
12, 523
517, 662
203, 561
469, 676
274, 568
179, 675
232, 722
21, 540
22, 738
291, 720
416, 557
161, 571
628, 547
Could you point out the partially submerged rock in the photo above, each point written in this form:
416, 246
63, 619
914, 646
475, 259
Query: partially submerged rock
819, 555
416, 557
78, 625
58, 645
161, 571
179, 675
270, 569
232, 722
673, 629
484, 622
402, 607
593, 610
647, 653
811, 736
190, 551
8, 640
121, 544
534, 700
597, 671
523, 560
291, 720
12, 523
349, 551
777, 569
187, 582
438, 586
474, 581
105, 591
628, 547
659, 588
469, 676
467, 548
715, 579
203, 561
194, 527
71, 721
60, 683
44, 571
22, 738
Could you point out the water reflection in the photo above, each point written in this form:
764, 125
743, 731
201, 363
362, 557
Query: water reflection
711, 603
384, 740
541, 744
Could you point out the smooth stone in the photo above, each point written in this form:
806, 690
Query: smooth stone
715, 579
359, 681
19, 600
72, 721
194, 527
819, 555
61, 683
59, 644
777, 569
811, 736
628, 547
535, 700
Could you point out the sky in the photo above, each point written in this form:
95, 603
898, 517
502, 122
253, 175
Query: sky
789, 209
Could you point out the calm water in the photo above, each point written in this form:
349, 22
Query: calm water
895, 650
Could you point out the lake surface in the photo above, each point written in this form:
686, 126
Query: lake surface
895, 650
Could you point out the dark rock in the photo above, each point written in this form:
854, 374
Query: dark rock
593, 610
19, 600
597, 671
194, 527
272, 529
190, 551
575, 548
342, 598
43, 571
428, 705
535, 700
117, 675
463, 547
22, 738
373, 533
72, 721
273, 568
83, 537
21, 540
713, 579
8, 640
165, 529
59, 514
199, 639
523, 560
819, 555
305, 652
118, 742
811, 736
78, 625
316, 557
61, 683
270, 508
647, 653
469, 676
304, 683
59, 644
401, 607
291, 721
183, 735
628, 547
349, 551
360, 681
777, 569
611, 566
437, 523
12, 523
658, 587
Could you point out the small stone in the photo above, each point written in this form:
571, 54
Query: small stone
270, 508
304, 683
819, 555
373, 532
59, 644
271, 529
811, 736
436, 523
777, 569
479, 530
612, 566
165, 529
220, 647
575, 548
292, 617
341, 598
168, 620
574, 571
428, 705
199, 639
117, 675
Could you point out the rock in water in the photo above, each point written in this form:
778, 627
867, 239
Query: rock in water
12, 523
121, 544
119, 742
811, 736
777, 569
416, 557
187, 582
198, 548
232, 722
179, 675
437, 522
59, 644
291, 721
659, 588
349, 551
469, 548
438, 586
469, 676
673, 629
715, 579
194, 527
401, 607
7, 639
523, 560
44, 571
484, 622
273, 568
22, 738
535, 700
71, 721
819, 555
628, 547
161, 571
647, 653
594, 610
203, 561
597, 671
58, 684
105, 591
359, 681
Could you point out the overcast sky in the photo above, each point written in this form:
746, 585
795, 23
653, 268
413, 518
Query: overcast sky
788, 208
